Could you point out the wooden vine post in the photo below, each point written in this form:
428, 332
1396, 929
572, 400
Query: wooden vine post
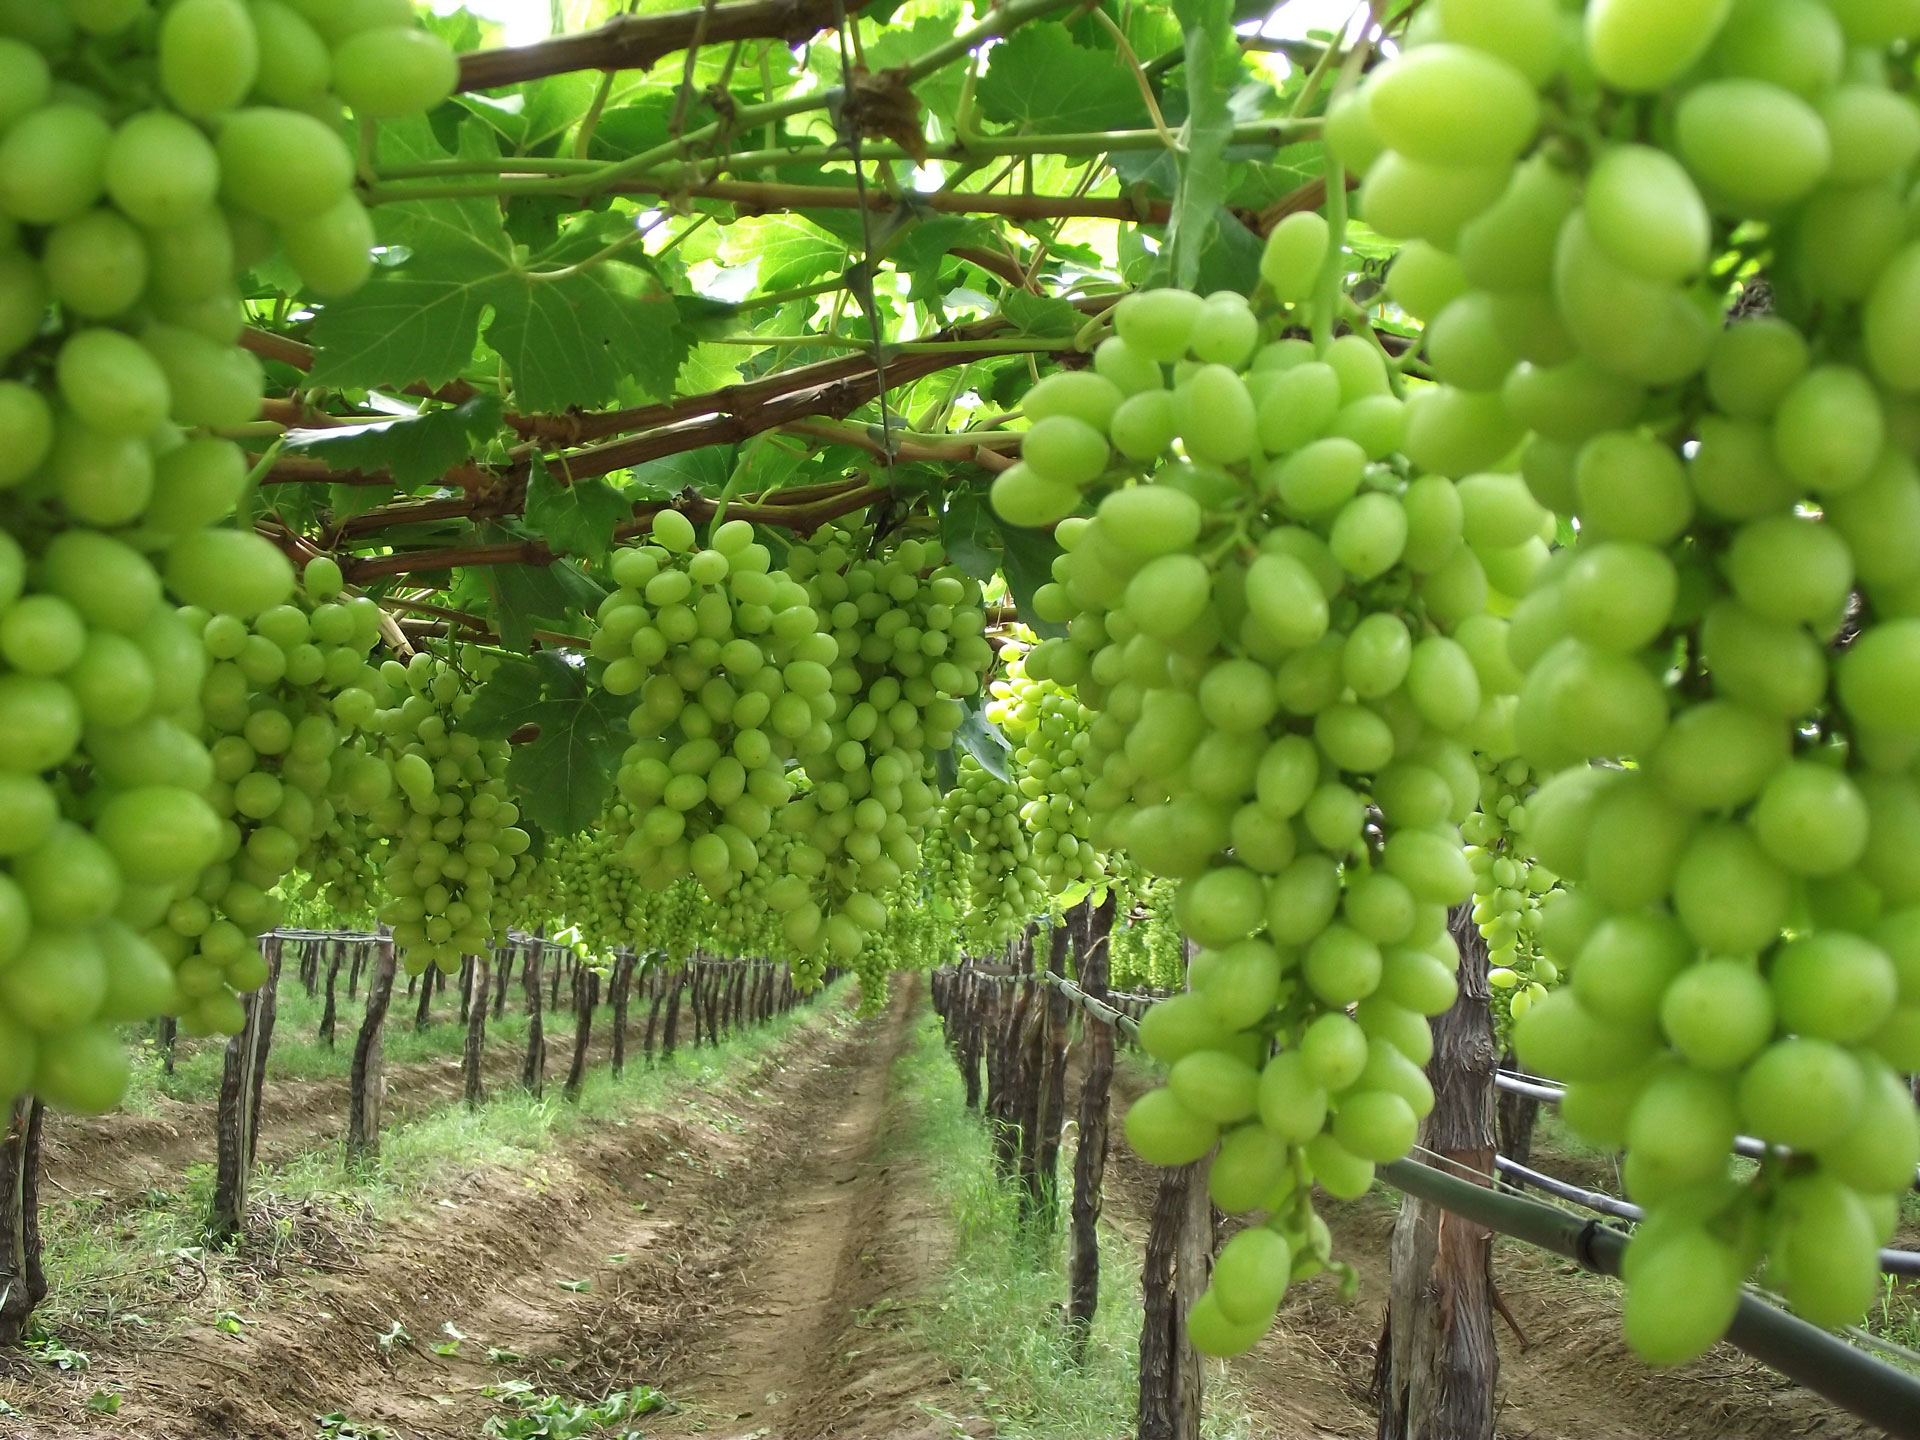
533, 1071
1053, 1088
23, 1283
367, 1082
586, 996
237, 1124
1435, 1369
1179, 1252
1090, 1154
329, 1017
622, 983
473, 1054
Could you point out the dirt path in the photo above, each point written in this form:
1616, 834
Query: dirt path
744, 1253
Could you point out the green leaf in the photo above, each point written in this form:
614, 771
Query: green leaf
981, 738
789, 250
1040, 80
567, 341
562, 779
965, 529
576, 519
415, 451
1045, 315
524, 595
1212, 66
703, 471
1026, 558
1231, 258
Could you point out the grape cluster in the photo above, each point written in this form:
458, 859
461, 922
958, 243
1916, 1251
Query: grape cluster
146, 160
1047, 726
1738, 617
1001, 887
1279, 622
909, 635
732, 673
281, 697
1146, 951
452, 833
1511, 892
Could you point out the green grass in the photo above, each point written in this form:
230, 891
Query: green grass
116, 1261
995, 1316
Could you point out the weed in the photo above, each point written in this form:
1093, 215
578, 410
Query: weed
538, 1416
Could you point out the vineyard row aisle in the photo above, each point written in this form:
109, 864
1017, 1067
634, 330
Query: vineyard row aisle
721, 1248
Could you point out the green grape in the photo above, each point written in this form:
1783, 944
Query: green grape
391, 71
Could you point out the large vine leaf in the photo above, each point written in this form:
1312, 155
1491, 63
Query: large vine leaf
563, 777
566, 340
413, 451
576, 519
1041, 80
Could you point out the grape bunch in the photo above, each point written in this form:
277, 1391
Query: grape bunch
1277, 617
1146, 950
282, 695
732, 673
1511, 891
1001, 887
909, 635
1737, 621
1047, 726
145, 161
452, 833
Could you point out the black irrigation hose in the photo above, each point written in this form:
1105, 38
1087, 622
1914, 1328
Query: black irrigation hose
1825, 1364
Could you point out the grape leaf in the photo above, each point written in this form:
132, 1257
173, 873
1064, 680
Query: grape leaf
563, 778
1212, 60
965, 529
981, 738
790, 250
1040, 80
1041, 314
414, 451
524, 595
1027, 561
569, 337
576, 519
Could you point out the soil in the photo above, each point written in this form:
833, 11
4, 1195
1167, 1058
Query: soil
751, 1254
744, 1253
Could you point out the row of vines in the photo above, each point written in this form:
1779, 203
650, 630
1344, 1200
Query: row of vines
837, 484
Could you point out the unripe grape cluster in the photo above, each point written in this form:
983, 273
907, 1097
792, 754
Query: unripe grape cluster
1002, 888
1047, 726
1279, 622
732, 672
282, 696
452, 833
1146, 950
148, 156
1511, 892
1738, 620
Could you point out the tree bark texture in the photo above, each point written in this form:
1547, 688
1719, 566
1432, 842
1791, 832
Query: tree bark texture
588, 996
367, 1083
503, 972
329, 1017
473, 1056
533, 1070
1053, 1101
430, 980
671, 1035
1090, 1154
169, 1032
1517, 1114
1435, 1371
237, 1118
23, 1284
1179, 1243
622, 983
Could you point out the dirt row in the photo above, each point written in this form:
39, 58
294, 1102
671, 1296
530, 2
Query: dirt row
742, 1252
